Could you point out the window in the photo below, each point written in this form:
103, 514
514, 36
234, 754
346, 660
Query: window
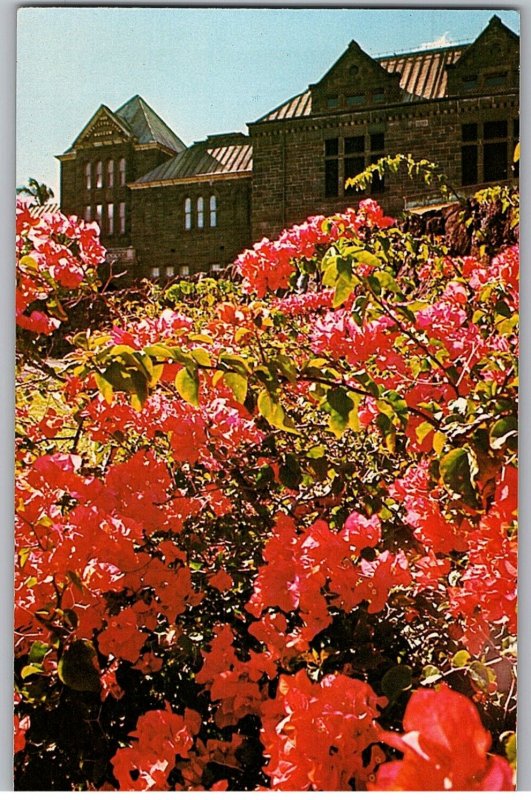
122, 217
470, 81
215, 268
170, 272
378, 95
200, 213
495, 79
99, 175
486, 151
99, 214
333, 101
155, 272
121, 168
354, 158
376, 151
88, 175
213, 211
355, 99
110, 219
184, 270
346, 158
331, 167
110, 173
88, 213
187, 214
495, 151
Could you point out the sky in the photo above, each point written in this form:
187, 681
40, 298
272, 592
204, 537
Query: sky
203, 70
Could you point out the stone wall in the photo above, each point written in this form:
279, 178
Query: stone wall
159, 231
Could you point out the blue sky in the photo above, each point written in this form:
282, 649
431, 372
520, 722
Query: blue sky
203, 70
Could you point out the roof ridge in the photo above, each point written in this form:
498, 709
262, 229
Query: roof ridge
143, 103
404, 53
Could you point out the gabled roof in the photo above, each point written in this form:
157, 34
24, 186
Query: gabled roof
134, 120
218, 155
147, 126
423, 77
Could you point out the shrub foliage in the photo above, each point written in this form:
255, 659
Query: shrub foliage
266, 526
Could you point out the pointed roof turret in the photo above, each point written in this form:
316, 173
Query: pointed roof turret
147, 126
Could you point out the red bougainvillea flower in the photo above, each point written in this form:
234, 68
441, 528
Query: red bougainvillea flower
160, 736
315, 733
20, 728
445, 747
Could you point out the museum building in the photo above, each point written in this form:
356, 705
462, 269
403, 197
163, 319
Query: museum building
166, 209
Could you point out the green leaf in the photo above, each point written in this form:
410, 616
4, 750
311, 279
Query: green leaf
272, 411
461, 658
458, 469
290, 472
31, 669
504, 431
77, 667
340, 405
396, 680
201, 357
510, 749
187, 384
104, 387
430, 674
482, 675
37, 652
365, 257
237, 384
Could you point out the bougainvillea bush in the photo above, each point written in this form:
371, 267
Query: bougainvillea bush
266, 526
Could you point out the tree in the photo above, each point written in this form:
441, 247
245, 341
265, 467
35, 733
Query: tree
39, 192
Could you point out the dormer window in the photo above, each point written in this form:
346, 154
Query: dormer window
496, 79
99, 175
470, 81
332, 101
355, 99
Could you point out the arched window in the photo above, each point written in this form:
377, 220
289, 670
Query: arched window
200, 212
99, 214
110, 219
99, 175
187, 214
110, 173
122, 217
122, 171
213, 211
88, 175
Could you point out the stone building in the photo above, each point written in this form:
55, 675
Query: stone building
166, 209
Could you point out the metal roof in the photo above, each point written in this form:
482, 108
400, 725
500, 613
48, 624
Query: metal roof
147, 126
423, 74
203, 159
47, 208
423, 77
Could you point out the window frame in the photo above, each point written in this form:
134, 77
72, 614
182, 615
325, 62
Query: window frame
188, 213
200, 212
213, 211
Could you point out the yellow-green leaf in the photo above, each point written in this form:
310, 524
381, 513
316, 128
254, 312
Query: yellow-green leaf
237, 384
187, 384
